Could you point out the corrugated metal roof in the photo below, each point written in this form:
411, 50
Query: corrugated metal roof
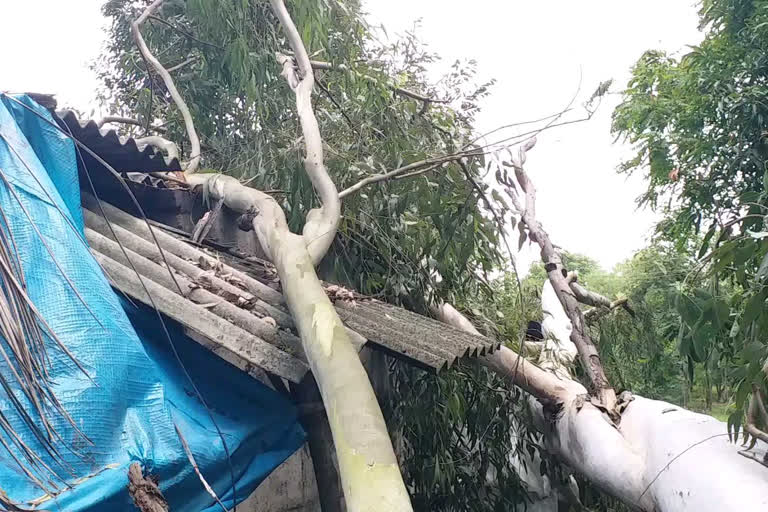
415, 338
122, 153
419, 340
403, 334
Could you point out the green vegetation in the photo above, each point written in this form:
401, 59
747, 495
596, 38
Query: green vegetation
699, 127
396, 236
698, 124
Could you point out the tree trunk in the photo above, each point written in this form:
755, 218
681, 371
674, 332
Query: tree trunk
320, 440
370, 473
660, 458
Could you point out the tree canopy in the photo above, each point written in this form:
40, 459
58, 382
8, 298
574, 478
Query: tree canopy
699, 126
404, 240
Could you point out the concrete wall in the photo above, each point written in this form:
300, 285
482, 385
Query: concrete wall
291, 487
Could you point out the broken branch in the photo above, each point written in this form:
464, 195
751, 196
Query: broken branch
161, 143
145, 491
557, 274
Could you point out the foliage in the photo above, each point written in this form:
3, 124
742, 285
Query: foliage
642, 352
699, 125
461, 435
396, 235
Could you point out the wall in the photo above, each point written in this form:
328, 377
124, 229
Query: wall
291, 487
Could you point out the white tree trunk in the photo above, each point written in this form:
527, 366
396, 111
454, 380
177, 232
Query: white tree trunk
369, 470
661, 458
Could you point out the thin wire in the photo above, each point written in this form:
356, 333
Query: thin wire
167, 334
694, 445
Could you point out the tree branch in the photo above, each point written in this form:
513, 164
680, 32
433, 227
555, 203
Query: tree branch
189, 124
183, 63
320, 228
599, 303
317, 64
144, 491
183, 32
757, 418
515, 369
428, 163
161, 143
597, 312
557, 274
127, 120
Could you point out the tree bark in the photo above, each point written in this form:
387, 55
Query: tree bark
144, 491
558, 277
194, 160
320, 440
660, 458
369, 471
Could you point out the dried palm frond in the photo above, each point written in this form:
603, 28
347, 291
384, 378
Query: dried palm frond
25, 338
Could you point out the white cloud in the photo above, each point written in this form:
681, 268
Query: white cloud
536, 51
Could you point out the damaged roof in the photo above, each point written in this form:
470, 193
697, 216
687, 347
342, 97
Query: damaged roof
269, 342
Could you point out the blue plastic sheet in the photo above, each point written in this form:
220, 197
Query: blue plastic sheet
136, 390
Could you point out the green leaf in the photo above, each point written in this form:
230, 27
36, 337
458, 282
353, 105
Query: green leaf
735, 328
754, 307
691, 372
703, 336
753, 351
721, 313
705, 243
734, 423
762, 272
689, 311
523, 236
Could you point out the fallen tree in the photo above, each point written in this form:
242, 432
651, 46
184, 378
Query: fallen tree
368, 467
639, 450
652, 455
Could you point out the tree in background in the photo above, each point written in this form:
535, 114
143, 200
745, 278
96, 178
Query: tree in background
641, 350
699, 126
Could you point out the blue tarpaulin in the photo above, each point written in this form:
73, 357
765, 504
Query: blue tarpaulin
135, 390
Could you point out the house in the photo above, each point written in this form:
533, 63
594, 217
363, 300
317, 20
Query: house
207, 280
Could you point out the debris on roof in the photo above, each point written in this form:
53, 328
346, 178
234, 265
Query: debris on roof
419, 340
241, 317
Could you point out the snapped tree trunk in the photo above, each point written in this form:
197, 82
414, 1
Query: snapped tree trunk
661, 457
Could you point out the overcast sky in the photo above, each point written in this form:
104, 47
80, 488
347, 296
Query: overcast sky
535, 49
